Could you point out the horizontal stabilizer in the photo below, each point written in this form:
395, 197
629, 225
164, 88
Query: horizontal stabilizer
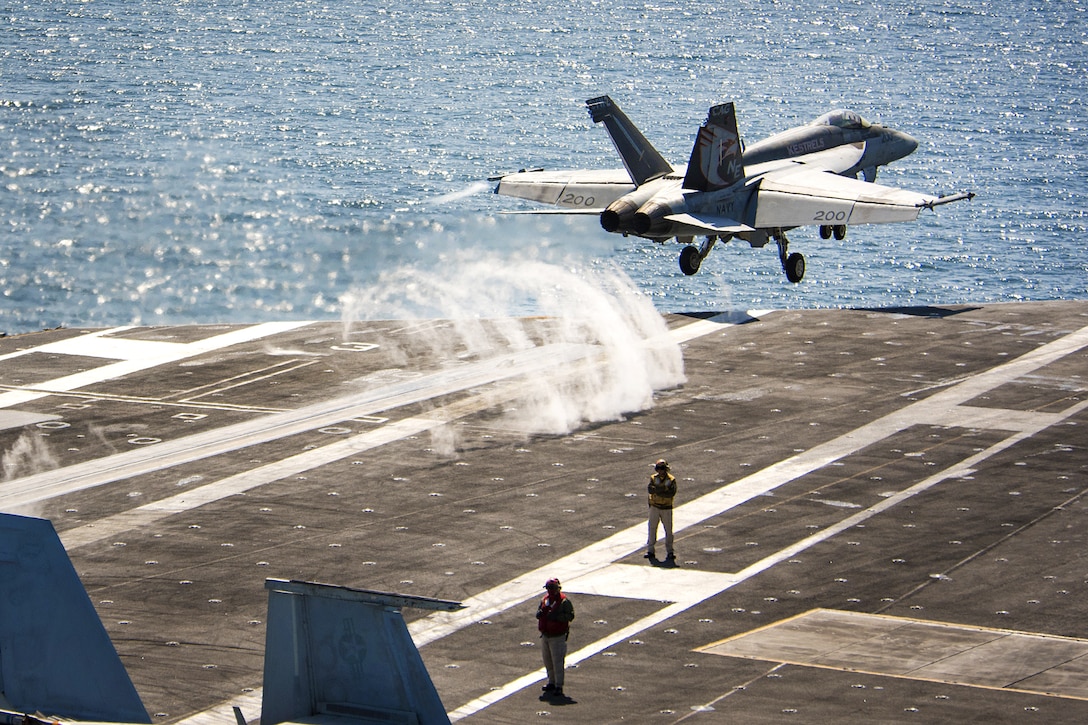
55, 655
698, 224
552, 212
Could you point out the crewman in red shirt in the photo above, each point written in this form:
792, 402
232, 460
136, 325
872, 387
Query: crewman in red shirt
553, 618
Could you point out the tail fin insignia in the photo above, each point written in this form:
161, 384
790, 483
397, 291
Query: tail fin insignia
716, 161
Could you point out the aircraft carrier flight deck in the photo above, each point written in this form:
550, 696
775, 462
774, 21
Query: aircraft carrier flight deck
881, 513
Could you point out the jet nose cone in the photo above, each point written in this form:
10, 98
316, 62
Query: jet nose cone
905, 142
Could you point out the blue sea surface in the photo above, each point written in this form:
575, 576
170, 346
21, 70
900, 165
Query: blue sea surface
167, 161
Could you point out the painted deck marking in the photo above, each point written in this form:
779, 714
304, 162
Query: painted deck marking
1000, 659
21, 493
132, 356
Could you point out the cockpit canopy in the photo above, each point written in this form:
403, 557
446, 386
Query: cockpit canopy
842, 119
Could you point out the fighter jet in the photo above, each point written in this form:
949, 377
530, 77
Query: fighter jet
803, 176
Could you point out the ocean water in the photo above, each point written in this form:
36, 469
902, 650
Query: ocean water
172, 161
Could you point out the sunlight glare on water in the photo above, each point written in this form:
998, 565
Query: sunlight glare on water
175, 162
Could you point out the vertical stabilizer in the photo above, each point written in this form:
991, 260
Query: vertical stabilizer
642, 160
716, 161
335, 651
55, 655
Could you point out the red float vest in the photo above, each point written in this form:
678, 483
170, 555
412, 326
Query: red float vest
548, 626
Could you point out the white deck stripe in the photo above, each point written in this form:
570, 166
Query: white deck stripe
111, 526
22, 493
134, 355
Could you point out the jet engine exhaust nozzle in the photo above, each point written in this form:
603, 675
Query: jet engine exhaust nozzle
618, 215
650, 219
610, 220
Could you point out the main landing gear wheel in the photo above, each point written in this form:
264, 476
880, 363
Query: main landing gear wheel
825, 231
840, 231
792, 264
690, 259
795, 267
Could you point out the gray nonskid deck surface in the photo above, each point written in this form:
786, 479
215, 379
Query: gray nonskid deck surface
924, 465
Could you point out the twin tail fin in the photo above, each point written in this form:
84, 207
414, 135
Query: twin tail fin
716, 159
641, 159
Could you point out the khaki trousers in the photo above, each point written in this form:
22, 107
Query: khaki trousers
554, 649
664, 516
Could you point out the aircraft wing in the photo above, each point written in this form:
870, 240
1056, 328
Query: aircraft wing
798, 196
578, 191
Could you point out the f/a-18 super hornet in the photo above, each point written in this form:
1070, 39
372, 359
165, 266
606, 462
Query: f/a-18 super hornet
806, 175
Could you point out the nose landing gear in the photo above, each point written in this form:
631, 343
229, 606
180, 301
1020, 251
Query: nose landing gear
839, 230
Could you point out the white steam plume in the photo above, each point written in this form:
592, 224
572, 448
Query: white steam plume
495, 307
28, 455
